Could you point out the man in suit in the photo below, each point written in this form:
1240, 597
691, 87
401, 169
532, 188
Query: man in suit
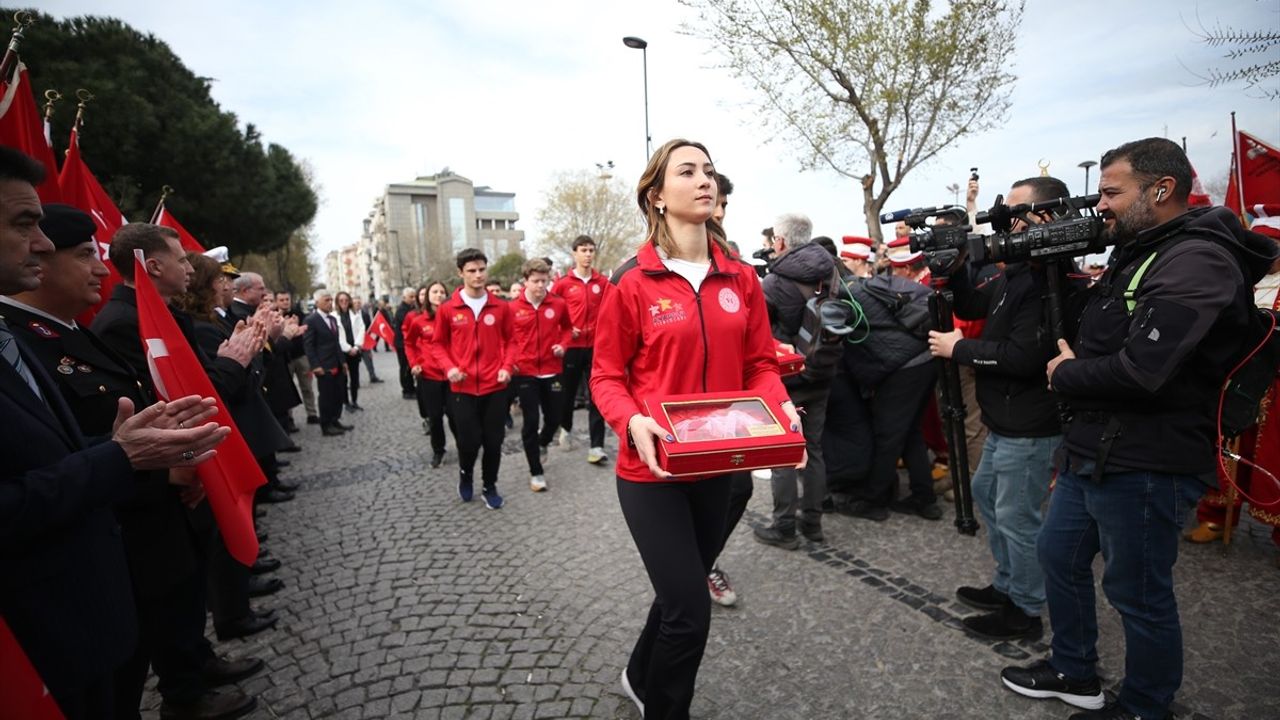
328, 363
159, 541
66, 593
298, 361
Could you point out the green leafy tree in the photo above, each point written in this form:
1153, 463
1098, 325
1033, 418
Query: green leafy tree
506, 269
152, 123
868, 88
584, 203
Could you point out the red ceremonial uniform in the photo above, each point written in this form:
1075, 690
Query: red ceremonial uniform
419, 332
475, 345
584, 298
536, 331
666, 339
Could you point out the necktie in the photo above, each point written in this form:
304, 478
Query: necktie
333, 324
9, 351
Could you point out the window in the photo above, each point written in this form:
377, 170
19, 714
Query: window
458, 222
495, 203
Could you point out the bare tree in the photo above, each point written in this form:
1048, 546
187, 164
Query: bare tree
869, 88
1250, 56
584, 203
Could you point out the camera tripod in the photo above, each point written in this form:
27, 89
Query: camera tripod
953, 411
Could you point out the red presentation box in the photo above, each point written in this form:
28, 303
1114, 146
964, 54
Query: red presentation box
789, 362
724, 432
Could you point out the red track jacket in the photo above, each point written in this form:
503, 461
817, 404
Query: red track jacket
584, 300
477, 347
535, 331
419, 331
665, 339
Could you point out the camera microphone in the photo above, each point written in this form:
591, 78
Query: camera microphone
895, 216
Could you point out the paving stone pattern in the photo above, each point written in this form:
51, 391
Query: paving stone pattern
400, 601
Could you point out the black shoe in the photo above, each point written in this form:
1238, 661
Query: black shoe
356, 407
777, 538
1041, 681
262, 537
1007, 623
282, 464
866, 510
210, 706
250, 624
375, 380
1113, 711
340, 426
261, 587
828, 504
987, 598
812, 531
221, 671
270, 495
331, 431
262, 566
313, 419
290, 426
287, 486
292, 449
409, 396
436, 459
259, 512
927, 510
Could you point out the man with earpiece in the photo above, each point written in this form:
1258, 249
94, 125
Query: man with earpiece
1157, 337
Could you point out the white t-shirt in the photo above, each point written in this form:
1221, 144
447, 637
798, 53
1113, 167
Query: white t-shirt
694, 272
476, 304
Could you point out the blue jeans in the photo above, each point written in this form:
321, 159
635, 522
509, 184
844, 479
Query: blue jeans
1009, 488
1133, 519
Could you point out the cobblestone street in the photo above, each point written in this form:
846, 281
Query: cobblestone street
402, 602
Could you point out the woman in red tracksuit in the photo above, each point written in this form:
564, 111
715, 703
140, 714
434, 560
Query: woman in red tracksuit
685, 316
433, 387
542, 330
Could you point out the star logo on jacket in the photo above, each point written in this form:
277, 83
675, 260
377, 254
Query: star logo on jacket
666, 311
459, 318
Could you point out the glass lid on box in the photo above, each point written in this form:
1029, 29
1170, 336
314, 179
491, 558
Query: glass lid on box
699, 421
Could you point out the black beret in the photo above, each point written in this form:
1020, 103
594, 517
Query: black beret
66, 226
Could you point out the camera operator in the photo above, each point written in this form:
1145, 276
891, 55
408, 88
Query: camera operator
1157, 337
798, 269
1016, 466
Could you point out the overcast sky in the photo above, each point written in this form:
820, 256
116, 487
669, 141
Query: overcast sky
509, 92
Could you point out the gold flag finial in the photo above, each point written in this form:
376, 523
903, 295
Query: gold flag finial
1044, 167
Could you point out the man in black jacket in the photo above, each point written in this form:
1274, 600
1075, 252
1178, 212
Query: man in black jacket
1021, 415
407, 299
66, 594
1157, 337
159, 541
328, 363
799, 267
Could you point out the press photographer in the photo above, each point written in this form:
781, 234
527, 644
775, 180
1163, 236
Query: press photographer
1157, 337
1016, 467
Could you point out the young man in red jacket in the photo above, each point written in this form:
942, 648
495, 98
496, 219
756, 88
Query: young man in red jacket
583, 289
542, 332
471, 334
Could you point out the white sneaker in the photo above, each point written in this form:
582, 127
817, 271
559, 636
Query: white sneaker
596, 455
721, 591
537, 483
626, 686
765, 474
566, 439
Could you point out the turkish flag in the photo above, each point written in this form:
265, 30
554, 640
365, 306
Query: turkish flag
166, 218
23, 695
1258, 166
231, 477
22, 128
1198, 197
81, 189
379, 328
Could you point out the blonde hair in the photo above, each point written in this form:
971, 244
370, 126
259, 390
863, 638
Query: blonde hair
651, 182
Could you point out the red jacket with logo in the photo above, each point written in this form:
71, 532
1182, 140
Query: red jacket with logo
478, 347
419, 332
536, 330
584, 300
665, 339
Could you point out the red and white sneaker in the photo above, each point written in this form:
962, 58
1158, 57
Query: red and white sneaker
721, 591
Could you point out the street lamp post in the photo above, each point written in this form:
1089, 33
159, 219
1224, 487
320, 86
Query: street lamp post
955, 190
1086, 165
636, 43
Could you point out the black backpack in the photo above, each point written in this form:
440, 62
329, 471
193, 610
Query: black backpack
825, 323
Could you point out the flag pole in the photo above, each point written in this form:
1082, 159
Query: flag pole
164, 193
1236, 161
51, 96
24, 20
85, 98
